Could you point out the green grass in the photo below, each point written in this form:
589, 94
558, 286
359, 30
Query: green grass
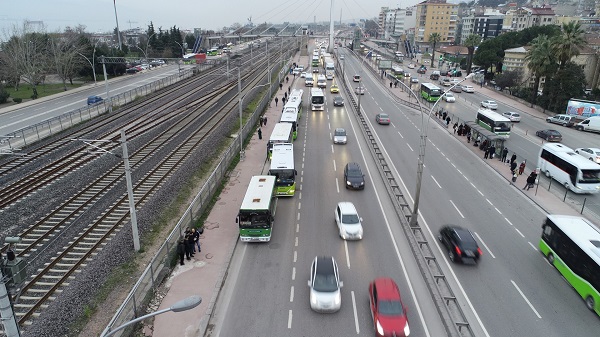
25, 90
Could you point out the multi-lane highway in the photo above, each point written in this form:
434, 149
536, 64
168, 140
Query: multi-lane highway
512, 291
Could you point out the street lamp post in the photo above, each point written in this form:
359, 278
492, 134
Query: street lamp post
183, 305
93, 61
421, 160
241, 100
182, 54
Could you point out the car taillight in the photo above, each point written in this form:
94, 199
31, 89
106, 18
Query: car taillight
479, 251
458, 252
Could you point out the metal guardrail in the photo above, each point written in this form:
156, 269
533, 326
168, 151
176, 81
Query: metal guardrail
160, 265
14, 141
448, 307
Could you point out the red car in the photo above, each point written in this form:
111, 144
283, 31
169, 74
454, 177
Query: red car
387, 309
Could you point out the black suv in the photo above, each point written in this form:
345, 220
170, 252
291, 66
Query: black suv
460, 243
354, 177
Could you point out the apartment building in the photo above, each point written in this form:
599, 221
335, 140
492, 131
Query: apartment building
526, 17
435, 16
394, 22
487, 24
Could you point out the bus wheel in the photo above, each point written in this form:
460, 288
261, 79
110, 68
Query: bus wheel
550, 258
589, 302
548, 174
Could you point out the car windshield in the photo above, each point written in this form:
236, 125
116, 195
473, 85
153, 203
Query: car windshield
354, 173
383, 116
325, 283
350, 219
340, 132
449, 95
390, 308
491, 102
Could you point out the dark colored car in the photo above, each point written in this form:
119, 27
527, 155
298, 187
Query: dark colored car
549, 135
94, 100
460, 243
354, 177
422, 70
387, 309
434, 77
338, 101
132, 70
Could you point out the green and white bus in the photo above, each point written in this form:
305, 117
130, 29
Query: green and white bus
572, 245
257, 213
430, 92
282, 168
293, 110
315, 61
494, 122
212, 52
282, 133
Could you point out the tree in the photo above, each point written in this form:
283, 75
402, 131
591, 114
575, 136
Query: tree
566, 83
371, 27
471, 42
540, 61
434, 39
568, 43
66, 50
509, 80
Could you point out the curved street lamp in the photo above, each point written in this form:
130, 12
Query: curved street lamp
183, 305
241, 100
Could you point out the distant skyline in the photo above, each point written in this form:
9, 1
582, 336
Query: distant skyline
99, 15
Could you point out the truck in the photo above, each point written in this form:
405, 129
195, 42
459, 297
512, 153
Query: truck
590, 124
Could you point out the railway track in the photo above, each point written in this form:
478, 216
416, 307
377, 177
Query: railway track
48, 281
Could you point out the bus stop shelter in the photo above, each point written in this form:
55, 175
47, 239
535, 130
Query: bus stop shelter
485, 134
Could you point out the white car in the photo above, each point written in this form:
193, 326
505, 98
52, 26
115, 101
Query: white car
454, 81
411, 66
356, 78
590, 153
309, 82
513, 116
303, 74
325, 285
296, 71
489, 104
448, 97
359, 90
414, 80
468, 88
348, 221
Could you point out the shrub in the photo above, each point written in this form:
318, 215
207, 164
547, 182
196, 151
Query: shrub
3, 94
17, 100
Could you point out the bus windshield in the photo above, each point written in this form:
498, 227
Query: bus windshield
283, 176
252, 219
590, 177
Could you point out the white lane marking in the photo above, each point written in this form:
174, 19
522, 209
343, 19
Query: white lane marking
518, 231
298, 217
297, 227
296, 242
432, 177
510, 223
292, 294
337, 185
532, 246
290, 319
480, 192
334, 166
497, 210
293, 273
332, 151
452, 202
299, 206
295, 256
486, 247
347, 255
355, 314
401, 136
410, 147
489, 202
525, 298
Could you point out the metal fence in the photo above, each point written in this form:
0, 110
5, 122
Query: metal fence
161, 266
14, 141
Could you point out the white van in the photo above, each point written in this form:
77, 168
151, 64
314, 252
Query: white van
591, 124
321, 81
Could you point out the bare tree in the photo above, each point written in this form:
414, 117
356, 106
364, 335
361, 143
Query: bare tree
66, 49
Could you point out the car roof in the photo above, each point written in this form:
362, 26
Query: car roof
383, 115
324, 265
353, 166
347, 207
386, 289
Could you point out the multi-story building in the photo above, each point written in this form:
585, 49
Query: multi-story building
525, 17
395, 22
405, 20
386, 23
487, 24
435, 16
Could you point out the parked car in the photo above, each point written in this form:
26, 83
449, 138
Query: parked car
339, 136
338, 101
382, 119
325, 285
591, 124
334, 89
348, 221
460, 244
549, 135
94, 100
354, 177
590, 153
448, 97
564, 120
513, 116
454, 81
359, 90
434, 77
468, 88
387, 310
296, 71
489, 104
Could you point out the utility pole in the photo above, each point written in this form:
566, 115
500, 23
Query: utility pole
11, 328
117, 19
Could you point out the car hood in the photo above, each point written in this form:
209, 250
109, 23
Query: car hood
352, 229
325, 300
339, 138
393, 323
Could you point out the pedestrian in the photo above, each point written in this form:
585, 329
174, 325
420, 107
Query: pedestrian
447, 121
444, 115
513, 158
455, 126
531, 180
492, 151
486, 154
285, 95
282, 103
265, 120
287, 79
469, 136
259, 133
280, 86
181, 250
189, 242
289, 89
504, 154
261, 120
513, 167
477, 140
196, 234
461, 129
395, 84
276, 100
521, 168
391, 84
294, 75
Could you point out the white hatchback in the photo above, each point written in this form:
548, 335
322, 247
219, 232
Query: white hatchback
513, 116
348, 221
448, 97
489, 104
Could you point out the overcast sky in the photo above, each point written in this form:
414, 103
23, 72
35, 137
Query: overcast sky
99, 15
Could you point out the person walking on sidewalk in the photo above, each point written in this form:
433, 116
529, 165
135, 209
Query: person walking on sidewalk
261, 119
455, 126
181, 250
265, 120
504, 154
188, 242
468, 136
259, 133
287, 79
276, 100
521, 168
530, 180
280, 86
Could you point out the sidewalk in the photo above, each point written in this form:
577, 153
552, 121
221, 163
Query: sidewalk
205, 274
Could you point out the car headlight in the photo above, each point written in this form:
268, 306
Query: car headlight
338, 299
362, 182
313, 299
348, 182
406, 330
379, 328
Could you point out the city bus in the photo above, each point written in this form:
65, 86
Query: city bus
257, 213
570, 169
570, 244
494, 122
212, 52
329, 68
398, 72
317, 99
282, 133
282, 168
430, 92
315, 60
295, 101
290, 116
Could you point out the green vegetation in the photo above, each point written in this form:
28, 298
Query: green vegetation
26, 91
